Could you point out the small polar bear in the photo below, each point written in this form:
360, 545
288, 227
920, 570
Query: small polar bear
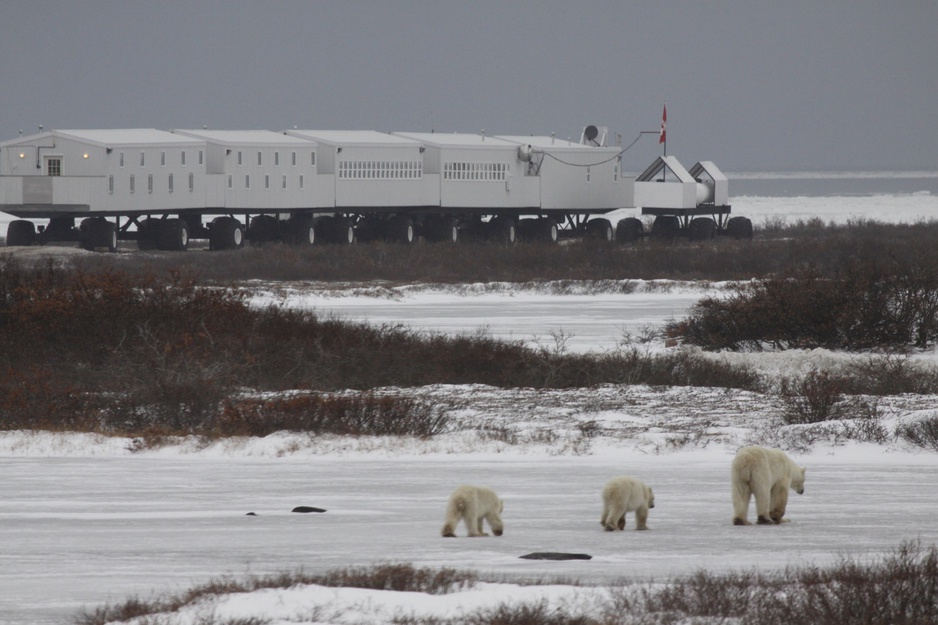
625, 494
767, 474
472, 504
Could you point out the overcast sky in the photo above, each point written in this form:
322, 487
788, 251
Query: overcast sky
793, 85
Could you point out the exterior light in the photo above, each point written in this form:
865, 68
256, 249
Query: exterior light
22, 155
85, 155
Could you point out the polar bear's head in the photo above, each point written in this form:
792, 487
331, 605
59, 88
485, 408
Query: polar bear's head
797, 480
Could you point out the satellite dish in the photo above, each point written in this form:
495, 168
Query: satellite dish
594, 135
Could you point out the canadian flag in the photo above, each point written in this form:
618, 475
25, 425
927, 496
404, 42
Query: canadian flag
664, 121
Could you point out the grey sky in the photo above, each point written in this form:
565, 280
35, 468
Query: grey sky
794, 85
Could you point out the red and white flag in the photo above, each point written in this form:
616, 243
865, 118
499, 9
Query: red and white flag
664, 121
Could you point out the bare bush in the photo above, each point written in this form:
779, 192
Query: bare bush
900, 588
817, 396
923, 432
348, 414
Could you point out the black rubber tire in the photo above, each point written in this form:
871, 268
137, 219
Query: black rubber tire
21, 232
148, 232
300, 231
600, 229
441, 230
337, 230
701, 229
629, 230
503, 229
400, 229
173, 235
739, 228
666, 227
98, 233
546, 231
264, 229
225, 233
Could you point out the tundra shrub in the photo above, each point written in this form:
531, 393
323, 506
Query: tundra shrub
879, 302
923, 433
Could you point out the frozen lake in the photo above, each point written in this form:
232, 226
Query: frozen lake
83, 531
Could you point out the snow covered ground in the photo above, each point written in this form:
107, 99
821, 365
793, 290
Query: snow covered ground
84, 521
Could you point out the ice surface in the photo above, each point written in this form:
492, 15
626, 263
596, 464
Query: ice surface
84, 521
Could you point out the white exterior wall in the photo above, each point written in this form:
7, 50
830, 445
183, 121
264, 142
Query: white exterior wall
93, 178
372, 169
476, 171
262, 170
577, 177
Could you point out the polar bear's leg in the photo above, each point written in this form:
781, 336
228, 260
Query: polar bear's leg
495, 523
779, 502
615, 516
641, 518
741, 496
472, 521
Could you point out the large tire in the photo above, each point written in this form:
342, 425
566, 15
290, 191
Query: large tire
98, 233
701, 229
300, 231
629, 230
173, 235
337, 230
225, 233
400, 229
21, 232
739, 228
441, 230
600, 229
264, 229
148, 233
503, 230
666, 227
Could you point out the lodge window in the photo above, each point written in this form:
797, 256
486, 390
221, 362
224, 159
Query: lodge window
110, 184
170, 183
54, 167
133, 185
150, 183
162, 159
191, 181
182, 158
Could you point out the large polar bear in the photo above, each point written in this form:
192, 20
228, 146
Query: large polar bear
625, 494
767, 474
472, 504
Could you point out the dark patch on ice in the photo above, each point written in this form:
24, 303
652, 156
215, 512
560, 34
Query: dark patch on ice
307, 509
555, 555
251, 514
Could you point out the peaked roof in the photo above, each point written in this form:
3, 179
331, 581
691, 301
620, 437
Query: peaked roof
665, 162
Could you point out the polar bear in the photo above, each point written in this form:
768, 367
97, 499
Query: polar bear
472, 504
625, 494
767, 474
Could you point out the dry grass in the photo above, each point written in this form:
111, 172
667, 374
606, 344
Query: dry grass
898, 589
